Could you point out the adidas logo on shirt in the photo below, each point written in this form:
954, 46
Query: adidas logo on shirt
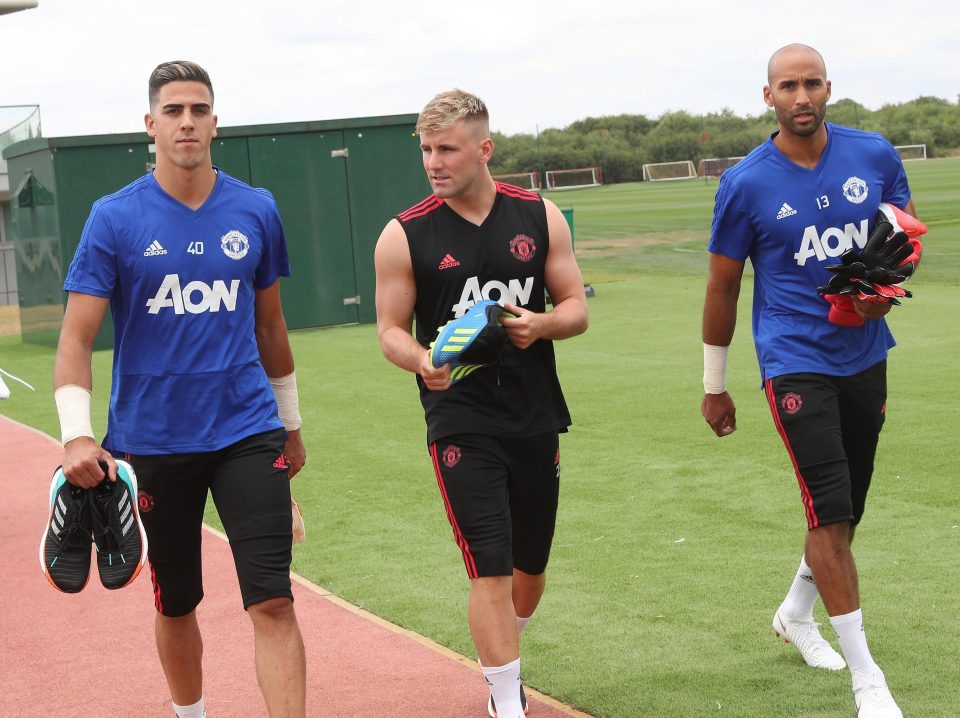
154, 250
786, 211
448, 262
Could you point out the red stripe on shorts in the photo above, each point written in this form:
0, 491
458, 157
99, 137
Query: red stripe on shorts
157, 601
461, 540
812, 520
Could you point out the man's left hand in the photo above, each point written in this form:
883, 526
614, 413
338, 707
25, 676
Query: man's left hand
523, 328
871, 309
295, 452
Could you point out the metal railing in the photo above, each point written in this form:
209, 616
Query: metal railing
17, 123
20, 122
8, 276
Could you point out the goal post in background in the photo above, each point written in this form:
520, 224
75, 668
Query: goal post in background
669, 171
526, 180
716, 166
912, 152
574, 179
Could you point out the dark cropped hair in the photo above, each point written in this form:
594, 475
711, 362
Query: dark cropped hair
177, 71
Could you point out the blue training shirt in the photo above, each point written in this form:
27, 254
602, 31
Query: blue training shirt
792, 222
186, 369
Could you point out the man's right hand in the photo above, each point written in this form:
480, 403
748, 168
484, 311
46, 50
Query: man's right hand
81, 462
720, 412
436, 378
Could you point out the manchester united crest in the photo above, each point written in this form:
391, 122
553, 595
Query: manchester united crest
855, 190
523, 247
791, 403
235, 244
451, 456
144, 502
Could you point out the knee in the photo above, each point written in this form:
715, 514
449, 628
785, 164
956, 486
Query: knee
837, 533
492, 589
184, 622
273, 610
831, 539
523, 581
530, 576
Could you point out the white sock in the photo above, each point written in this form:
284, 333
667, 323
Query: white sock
522, 622
504, 682
193, 711
853, 642
802, 594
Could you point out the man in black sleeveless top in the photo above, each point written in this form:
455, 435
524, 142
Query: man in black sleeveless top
494, 436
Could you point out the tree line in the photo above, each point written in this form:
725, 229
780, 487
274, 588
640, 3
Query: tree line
622, 144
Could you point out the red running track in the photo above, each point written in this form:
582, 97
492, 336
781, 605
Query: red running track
92, 653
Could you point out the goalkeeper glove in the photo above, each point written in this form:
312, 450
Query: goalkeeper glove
881, 292
879, 260
909, 225
842, 312
874, 274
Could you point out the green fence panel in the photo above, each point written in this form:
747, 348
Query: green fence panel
310, 186
336, 182
385, 176
232, 156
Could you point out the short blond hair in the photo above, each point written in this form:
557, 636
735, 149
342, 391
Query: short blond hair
448, 108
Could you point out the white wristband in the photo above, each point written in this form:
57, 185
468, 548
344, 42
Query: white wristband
288, 403
714, 369
73, 406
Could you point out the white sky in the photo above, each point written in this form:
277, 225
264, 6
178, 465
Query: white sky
536, 63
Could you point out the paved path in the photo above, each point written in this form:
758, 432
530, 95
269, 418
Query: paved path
92, 653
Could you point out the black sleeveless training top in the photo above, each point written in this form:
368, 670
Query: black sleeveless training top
456, 264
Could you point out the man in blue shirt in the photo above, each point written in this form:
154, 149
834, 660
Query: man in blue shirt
792, 206
203, 391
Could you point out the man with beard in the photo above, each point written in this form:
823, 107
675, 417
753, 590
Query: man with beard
793, 205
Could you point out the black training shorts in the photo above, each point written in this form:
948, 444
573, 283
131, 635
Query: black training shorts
830, 426
501, 499
250, 485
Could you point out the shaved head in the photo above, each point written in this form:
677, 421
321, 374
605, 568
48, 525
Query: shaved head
793, 50
798, 90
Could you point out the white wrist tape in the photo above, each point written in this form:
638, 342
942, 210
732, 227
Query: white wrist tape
73, 406
714, 369
288, 403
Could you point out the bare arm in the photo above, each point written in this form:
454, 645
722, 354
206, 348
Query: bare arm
276, 356
72, 366
564, 282
911, 208
719, 322
396, 298
720, 306
271, 330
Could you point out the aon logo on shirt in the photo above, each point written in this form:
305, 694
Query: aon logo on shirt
195, 298
513, 292
832, 243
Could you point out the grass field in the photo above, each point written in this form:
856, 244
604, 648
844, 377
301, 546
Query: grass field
673, 547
